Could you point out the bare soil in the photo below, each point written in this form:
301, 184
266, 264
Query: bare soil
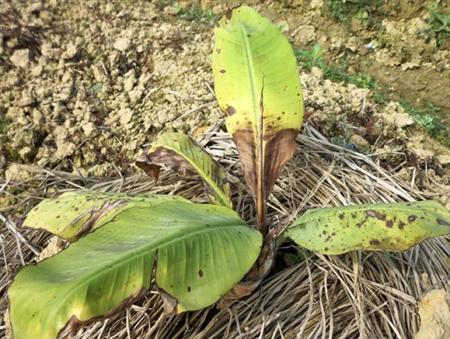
84, 86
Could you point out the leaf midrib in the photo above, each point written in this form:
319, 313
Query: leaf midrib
258, 125
224, 200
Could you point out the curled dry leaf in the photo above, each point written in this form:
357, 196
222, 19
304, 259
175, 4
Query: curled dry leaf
181, 153
258, 87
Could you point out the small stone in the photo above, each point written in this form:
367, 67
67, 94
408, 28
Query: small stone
26, 100
71, 51
421, 152
122, 44
19, 172
136, 94
21, 58
444, 159
306, 34
403, 120
125, 115
409, 65
316, 4
65, 147
317, 72
359, 141
36, 117
129, 82
88, 128
352, 44
37, 70
99, 73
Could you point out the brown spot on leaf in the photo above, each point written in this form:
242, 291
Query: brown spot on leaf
222, 71
401, 224
361, 223
341, 216
189, 289
230, 110
218, 50
442, 222
389, 223
376, 214
412, 218
229, 13
200, 273
375, 242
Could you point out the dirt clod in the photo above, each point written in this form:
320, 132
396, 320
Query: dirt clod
434, 311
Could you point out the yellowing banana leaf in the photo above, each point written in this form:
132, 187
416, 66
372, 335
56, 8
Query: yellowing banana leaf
73, 214
197, 253
392, 227
181, 153
258, 87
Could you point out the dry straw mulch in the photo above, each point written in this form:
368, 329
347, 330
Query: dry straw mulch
357, 295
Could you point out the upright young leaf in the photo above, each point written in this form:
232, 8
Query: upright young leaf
258, 87
73, 214
392, 227
197, 253
180, 152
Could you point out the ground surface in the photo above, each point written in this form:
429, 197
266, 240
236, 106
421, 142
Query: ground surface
84, 85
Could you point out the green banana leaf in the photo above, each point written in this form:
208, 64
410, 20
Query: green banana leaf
197, 253
73, 214
392, 227
257, 85
180, 152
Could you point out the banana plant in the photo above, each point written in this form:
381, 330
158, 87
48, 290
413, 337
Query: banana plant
195, 254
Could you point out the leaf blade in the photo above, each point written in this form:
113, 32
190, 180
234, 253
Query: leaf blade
257, 85
393, 227
76, 285
73, 214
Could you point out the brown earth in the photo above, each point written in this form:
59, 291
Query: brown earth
84, 86
396, 48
